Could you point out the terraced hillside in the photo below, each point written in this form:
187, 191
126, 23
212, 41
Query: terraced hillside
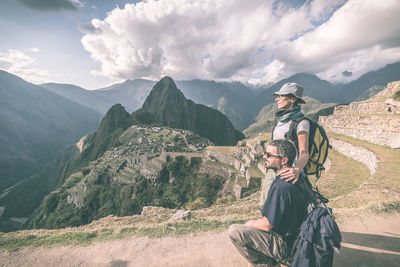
121, 180
376, 120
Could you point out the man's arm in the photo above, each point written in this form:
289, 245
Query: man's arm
261, 224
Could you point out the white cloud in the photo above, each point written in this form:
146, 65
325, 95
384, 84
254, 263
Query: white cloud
22, 65
361, 36
275, 72
79, 3
257, 41
34, 50
320, 10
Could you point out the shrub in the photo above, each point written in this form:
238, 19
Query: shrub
396, 95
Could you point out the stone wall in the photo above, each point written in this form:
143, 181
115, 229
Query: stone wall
148, 172
369, 107
360, 154
376, 120
219, 157
375, 129
390, 89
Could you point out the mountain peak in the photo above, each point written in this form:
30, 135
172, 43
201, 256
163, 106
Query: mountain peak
166, 80
167, 106
116, 117
164, 94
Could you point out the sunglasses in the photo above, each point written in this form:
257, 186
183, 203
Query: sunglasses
271, 155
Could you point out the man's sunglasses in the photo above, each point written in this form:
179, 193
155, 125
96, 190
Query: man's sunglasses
270, 155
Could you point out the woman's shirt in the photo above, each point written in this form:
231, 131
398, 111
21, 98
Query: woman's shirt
282, 128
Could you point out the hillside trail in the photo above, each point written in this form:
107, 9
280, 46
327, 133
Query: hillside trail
368, 240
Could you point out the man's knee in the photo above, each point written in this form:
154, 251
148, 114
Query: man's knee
234, 232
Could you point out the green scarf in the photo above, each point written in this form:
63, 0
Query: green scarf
285, 116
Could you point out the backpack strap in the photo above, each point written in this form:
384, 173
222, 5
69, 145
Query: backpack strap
291, 135
273, 129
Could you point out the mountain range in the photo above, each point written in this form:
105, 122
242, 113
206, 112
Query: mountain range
34, 125
120, 168
239, 102
165, 106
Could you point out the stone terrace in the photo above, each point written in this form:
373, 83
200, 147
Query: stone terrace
376, 120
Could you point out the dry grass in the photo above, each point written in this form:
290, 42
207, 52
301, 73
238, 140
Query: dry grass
255, 172
344, 176
382, 187
228, 150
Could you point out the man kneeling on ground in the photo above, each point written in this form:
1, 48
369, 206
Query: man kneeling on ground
268, 241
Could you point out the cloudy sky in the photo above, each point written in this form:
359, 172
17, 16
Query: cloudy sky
93, 44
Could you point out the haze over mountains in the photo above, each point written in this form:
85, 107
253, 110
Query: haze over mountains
169, 108
37, 121
101, 178
239, 102
34, 125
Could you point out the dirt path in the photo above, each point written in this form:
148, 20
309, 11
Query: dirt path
367, 241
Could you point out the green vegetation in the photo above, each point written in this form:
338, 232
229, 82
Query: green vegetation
187, 185
231, 183
396, 95
371, 193
178, 185
386, 207
242, 181
255, 172
156, 136
24, 199
100, 201
344, 176
221, 164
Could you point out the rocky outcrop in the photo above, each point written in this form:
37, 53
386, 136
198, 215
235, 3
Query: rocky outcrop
376, 120
181, 215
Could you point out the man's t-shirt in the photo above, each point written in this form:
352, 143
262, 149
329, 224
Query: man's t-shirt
285, 206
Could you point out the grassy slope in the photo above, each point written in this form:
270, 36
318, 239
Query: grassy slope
348, 185
375, 194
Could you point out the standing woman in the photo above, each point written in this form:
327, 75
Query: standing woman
288, 99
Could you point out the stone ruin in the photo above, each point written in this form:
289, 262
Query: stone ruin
376, 120
246, 155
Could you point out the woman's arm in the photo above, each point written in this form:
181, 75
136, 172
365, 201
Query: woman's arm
292, 175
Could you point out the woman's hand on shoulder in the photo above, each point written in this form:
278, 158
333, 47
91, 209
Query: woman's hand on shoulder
291, 175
